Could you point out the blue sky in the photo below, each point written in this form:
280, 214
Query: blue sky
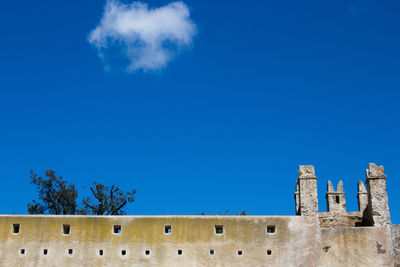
259, 88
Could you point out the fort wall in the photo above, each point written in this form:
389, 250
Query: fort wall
312, 238
192, 241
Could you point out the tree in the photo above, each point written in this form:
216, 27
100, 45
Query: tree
56, 195
107, 200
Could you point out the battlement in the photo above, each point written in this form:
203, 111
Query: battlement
372, 202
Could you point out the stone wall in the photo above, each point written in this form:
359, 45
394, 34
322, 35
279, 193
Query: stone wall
396, 243
350, 219
333, 238
188, 241
357, 246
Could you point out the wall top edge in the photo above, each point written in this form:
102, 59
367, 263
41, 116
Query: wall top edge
148, 216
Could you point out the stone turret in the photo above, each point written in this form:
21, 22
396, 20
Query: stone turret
336, 201
362, 197
378, 208
307, 191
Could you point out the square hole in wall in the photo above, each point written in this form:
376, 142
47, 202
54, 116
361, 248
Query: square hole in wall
167, 229
70, 251
211, 252
240, 253
66, 228
15, 229
219, 229
117, 229
101, 252
269, 252
45, 251
271, 229
179, 251
123, 252
147, 252
22, 251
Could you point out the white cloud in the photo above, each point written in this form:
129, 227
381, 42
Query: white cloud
147, 37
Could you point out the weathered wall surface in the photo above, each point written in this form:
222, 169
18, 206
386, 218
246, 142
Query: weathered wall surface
396, 243
349, 219
297, 241
357, 246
